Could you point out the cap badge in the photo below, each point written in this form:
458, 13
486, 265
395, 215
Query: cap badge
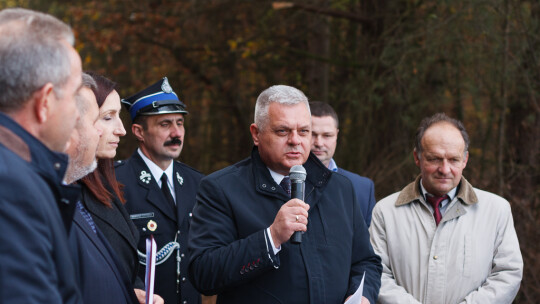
179, 178
145, 177
165, 86
152, 226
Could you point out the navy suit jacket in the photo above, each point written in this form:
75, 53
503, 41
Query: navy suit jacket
100, 278
145, 202
230, 254
35, 261
365, 192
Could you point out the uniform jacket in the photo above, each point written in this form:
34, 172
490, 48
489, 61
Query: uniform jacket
36, 266
230, 255
100, 277
473, 255
119, 230
145, 202
365, 192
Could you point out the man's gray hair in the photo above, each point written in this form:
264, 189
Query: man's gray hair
87, 82
31, 55
281, 94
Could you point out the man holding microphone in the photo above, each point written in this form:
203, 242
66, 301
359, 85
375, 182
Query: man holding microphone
244, 218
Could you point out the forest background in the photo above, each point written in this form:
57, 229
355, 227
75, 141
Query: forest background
382, 64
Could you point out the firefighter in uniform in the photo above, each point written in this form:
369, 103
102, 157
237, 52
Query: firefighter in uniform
159, 191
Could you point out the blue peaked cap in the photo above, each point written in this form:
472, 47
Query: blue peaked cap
156, 99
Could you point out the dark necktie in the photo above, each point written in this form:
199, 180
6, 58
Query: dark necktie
435, 201
286, 185
166, 191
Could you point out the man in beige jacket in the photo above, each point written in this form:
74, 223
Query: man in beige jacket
440, 239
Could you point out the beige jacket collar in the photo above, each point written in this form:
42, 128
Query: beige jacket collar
412, 193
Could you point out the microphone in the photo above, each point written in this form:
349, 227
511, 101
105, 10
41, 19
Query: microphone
297, 175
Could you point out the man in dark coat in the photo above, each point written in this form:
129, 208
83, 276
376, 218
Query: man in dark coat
160, 192
101, 278
39, 78
244, 217
325, 129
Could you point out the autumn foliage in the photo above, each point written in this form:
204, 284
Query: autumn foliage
383, 65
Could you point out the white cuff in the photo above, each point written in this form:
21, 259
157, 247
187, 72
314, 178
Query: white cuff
269, 234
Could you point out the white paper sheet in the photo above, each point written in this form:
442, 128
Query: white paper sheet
150, 269
356, 298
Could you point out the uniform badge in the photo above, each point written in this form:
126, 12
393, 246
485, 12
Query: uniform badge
165, 86
179, 178
145, 177
152, 226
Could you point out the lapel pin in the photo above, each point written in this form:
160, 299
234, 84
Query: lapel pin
145, 177
179, 178
152, 226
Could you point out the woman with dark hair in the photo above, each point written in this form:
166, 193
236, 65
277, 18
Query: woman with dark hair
102, 194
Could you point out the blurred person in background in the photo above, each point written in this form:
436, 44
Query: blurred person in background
324, 134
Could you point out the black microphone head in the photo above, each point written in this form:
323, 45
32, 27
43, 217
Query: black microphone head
297, 173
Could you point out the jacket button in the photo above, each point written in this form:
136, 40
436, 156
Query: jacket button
183, 279
273, 188
435, 257
264, 185
182, 255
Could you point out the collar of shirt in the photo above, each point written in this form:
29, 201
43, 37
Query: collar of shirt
451, 194
332, 165
276, 176
157, 172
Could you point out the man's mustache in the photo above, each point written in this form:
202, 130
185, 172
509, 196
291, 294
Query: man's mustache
174, 141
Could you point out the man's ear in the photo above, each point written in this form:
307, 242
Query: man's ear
72, 142
44, 102
465, 159
254, 133
416, 158
138, 131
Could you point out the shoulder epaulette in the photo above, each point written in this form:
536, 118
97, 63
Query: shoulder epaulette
119, 163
